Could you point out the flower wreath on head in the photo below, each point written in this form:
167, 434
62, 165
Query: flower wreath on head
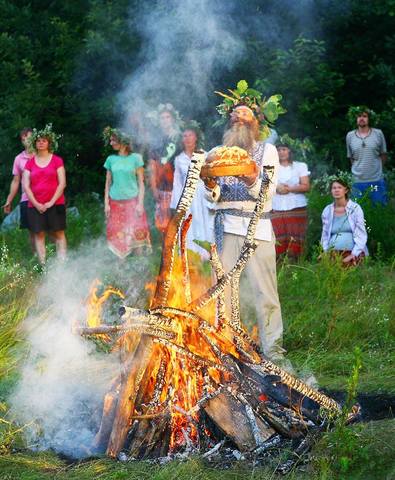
122, 137
355, 111
300, 148
195, 127
324, 183
46, 132
165, 107
265, 110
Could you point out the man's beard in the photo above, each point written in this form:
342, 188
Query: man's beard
240, 135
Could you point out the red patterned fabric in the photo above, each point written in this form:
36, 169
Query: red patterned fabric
125, 229
290, 229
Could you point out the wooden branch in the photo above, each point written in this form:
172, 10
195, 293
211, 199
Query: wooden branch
171, 235
186, 281
218, 269
219, 287
127, 396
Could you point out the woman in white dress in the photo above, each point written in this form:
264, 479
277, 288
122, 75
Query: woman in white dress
289, 218
201, 227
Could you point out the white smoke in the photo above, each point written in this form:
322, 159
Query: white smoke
186, 46
64, 377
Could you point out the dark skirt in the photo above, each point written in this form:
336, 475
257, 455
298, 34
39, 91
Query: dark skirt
52, 220
23, 208
290, 229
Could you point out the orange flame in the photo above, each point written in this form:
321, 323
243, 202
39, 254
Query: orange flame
95, 303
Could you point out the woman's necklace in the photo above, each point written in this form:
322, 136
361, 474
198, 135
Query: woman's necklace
363, 138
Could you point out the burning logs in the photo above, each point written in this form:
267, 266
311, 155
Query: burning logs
196, 379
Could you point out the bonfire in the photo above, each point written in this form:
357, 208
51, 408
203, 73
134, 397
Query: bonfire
192, 380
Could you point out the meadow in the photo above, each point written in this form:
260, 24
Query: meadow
339, 327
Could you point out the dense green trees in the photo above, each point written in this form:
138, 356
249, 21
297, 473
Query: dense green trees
64, 62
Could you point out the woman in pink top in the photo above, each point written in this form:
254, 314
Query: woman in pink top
44, 181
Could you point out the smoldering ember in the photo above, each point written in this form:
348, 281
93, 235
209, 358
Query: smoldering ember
192, 380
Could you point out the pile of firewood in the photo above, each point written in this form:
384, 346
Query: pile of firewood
191, 378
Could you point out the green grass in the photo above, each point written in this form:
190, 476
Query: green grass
376, 447
327, 312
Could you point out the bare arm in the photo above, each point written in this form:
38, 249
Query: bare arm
152, 178
106, 193
304, 185
61, 173
140, 179
26, 186
14, 187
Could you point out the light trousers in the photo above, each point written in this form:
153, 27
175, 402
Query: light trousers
262, 277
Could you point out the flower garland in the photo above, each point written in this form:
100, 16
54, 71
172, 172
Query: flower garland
46, 132
122, 137
324, 183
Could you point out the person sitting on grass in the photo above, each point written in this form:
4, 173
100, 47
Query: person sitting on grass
44, 181
343, 223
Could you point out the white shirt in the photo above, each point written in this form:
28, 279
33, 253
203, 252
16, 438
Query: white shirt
290, 175
239, 225
201, 227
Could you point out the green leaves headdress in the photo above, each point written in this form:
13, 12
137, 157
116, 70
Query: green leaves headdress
122, 137
324, 183
355, 111
46, 132
265, 110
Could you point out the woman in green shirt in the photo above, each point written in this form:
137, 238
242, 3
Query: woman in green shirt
127, 226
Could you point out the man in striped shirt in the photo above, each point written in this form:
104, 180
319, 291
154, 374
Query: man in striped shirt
367, 151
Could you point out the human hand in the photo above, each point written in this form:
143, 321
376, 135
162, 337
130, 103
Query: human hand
7, 208
249, 180
48, 205
41, 207
210, 182
349, 259
107, 210
282, 189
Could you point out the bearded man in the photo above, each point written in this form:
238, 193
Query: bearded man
234, 199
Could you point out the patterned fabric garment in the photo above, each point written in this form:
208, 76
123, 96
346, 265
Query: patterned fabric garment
233, 189
290, 229
126, 230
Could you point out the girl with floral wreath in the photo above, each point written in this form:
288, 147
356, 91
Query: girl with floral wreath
127, 226
44, 181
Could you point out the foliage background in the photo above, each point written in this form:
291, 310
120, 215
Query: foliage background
64, 62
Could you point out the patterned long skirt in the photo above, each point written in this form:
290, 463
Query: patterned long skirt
290, 229
126, 230
162, 210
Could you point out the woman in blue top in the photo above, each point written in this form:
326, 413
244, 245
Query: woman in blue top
343, 225
127, 226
